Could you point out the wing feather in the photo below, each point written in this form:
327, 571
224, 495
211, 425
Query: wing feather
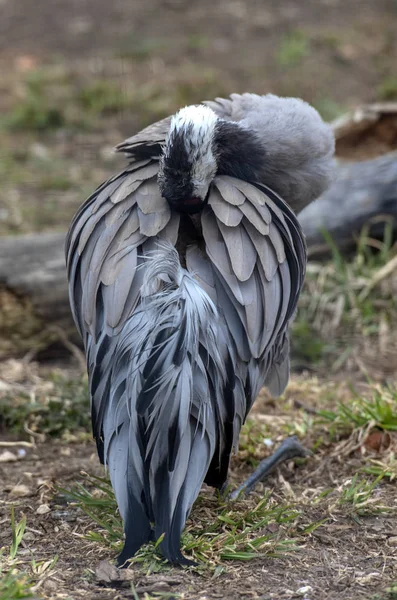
241, 250
255, 217
149, 199
259, 265
226, 213
265, 251
151, 224
228, 189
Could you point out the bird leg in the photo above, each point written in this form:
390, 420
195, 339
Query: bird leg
289, 448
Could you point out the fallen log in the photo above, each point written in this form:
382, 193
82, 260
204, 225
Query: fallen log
362, 193
34, 307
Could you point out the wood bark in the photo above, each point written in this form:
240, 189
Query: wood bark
34, 306
362, 193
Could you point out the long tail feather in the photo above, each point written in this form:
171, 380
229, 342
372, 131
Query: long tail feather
162, 429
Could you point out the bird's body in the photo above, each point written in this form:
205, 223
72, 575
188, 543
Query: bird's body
184, 272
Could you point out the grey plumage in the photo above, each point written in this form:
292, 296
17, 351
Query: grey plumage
184, 305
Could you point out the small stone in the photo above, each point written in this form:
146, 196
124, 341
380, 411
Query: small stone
39, 151
106, 573
7, 456
20, 491
392, 541
43, 509
304, 590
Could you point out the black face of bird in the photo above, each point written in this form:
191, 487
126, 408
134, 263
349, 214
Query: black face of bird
188, 163
200, 146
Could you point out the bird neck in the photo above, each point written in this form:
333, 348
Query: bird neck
239, 151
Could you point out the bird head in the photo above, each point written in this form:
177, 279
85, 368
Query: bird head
188, 163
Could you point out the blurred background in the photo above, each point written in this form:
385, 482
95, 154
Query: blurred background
78, 77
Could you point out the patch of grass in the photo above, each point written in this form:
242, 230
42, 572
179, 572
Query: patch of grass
154, 101
379, 410
359, 494
196, 41
60, 409
104, 97
293, 48
36, 111
347, 300
387, 90
41, 173
219, 530
391, 592
328, 108
251, 441
138, 49
387, 466
101, 506
18, 529
305, 343
15, 585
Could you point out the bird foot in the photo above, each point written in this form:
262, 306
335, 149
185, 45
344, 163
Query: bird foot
289, 448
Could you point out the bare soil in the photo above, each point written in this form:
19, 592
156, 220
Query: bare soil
350, 556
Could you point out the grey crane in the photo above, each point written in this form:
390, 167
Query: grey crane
184, 275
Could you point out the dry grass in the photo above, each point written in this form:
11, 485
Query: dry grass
348, 309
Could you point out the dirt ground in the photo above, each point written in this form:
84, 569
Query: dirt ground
349, 555
146, 59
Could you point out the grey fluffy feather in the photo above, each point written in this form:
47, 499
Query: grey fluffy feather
181, 334
299, 145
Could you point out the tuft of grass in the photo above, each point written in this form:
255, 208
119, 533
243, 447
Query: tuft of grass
35, 112
138, 49
305, 343
379, 410
18, 529
101, 506
197, 41
61, 409
252, 436
387, 90
387, 467
391, 592
346, 300
104, 97
293, 48
241, 530
359, 494
15, 585
328, 108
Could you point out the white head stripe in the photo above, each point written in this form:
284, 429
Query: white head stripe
196, 124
